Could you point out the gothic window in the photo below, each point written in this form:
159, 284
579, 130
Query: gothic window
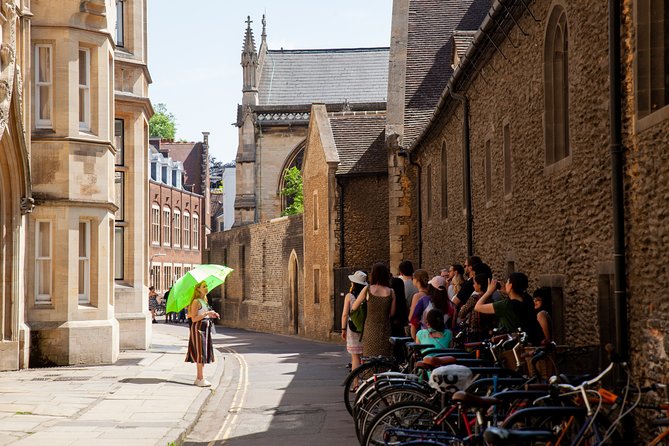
652, 77
508, 170
488, 172
428, 187
556, 86
444, 181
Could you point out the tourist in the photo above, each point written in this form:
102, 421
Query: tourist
153, 303
349, 332
200, 345
406, 274
436, 332
420, 281
436, 297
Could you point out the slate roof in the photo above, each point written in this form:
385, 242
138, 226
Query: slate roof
294, 77
429, 54
360, 143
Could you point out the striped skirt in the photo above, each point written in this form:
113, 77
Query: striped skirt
200, 346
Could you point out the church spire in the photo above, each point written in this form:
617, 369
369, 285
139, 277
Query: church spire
249, 66
264, 31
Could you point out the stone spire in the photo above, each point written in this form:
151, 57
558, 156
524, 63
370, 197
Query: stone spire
264, 32
249, 66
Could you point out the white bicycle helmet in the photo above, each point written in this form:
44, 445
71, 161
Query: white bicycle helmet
451, 378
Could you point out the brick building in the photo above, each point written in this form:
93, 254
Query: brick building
345, 212
177, 211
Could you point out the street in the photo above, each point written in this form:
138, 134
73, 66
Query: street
276, 389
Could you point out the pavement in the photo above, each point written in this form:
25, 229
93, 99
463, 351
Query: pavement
145, 398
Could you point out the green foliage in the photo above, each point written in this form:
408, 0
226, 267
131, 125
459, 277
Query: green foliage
163, 124
293, 192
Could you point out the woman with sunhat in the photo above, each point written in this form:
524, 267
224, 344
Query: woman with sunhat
348, 332
200, 346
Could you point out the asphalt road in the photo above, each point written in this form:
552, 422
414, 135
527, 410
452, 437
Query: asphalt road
276, 390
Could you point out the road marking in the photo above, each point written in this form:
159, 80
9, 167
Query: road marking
237, 400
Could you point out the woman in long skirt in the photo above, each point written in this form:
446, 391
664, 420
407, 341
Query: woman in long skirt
200, 346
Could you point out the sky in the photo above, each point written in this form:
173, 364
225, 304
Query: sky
194, 52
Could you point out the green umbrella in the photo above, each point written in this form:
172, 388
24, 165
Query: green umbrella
182, 291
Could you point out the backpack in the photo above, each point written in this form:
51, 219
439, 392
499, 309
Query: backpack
356, 318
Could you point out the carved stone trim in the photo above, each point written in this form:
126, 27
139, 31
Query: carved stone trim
27, 205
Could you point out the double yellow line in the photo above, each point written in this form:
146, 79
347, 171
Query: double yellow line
237, 401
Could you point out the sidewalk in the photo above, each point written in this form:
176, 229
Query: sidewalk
145, 398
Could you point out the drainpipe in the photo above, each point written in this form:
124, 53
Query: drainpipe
419, 218
617, 180
342, 248
466, 174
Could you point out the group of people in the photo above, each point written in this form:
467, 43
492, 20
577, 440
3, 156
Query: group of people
461, 298
155, 300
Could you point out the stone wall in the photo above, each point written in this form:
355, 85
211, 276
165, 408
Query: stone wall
365, 221
260, 294
555, 225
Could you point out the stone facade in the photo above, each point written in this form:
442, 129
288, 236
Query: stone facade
265, 290
57, 115
132, 113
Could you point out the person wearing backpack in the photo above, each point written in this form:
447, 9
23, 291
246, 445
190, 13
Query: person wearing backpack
350, 332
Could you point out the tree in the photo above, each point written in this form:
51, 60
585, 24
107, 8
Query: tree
292, 190
163, 124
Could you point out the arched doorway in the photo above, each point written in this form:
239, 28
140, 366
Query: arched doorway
293, 277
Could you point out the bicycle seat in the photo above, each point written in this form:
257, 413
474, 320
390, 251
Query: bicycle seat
432, 362
498, 436
471, 400
400, 340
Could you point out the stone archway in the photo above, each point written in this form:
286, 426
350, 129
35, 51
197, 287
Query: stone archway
294, 285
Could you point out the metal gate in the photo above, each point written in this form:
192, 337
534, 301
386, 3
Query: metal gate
341, 287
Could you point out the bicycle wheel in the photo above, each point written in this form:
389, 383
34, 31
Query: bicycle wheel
360, 374
385, 398
413, 415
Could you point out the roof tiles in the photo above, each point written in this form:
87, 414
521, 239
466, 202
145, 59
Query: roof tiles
360, 143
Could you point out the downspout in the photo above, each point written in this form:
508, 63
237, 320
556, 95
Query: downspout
617, 180
419, 217
342, 249
466, 168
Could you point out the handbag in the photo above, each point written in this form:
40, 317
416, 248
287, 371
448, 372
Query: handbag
356, 318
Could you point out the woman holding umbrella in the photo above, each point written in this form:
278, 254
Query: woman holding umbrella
200, 346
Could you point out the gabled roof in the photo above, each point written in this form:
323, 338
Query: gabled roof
360, 143
330, 76
429, 54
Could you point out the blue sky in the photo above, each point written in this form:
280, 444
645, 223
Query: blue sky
195, 50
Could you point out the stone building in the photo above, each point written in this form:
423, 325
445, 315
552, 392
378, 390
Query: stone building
279, 87
66, 151
547, 138
177, 218
131, 132
345, 212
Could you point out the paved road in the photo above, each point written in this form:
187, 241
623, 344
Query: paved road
276, 390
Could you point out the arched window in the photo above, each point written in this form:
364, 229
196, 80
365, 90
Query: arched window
444, 181
652, 54
186, 240
167, 226
556, 86
196, 232
176, 226
155, 224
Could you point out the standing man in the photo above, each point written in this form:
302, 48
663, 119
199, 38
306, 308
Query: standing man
467, 287
406, 274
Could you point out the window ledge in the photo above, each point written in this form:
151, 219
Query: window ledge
558, 166
652, 119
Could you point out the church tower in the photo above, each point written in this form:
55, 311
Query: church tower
245, 198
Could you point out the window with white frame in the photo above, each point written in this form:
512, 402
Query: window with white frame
155, 276
84, 262
84, 89
186, 240
196, 232
177, 273
169, 280
155, 224
167, 229
43, 85
176, 225
120, 31
43, 262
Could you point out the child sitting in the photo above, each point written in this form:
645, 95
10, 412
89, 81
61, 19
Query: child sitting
436, 333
